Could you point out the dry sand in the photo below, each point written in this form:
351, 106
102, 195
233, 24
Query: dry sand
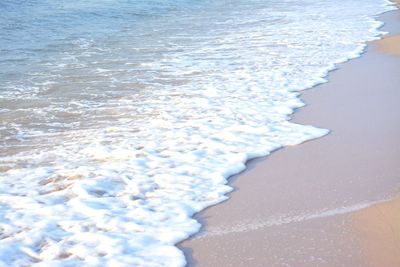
299, 206
390, 45
379, 231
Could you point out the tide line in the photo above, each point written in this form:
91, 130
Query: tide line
252, 225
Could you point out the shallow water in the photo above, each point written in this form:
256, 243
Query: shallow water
120, 119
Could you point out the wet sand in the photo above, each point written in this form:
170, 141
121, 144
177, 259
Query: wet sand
299, 207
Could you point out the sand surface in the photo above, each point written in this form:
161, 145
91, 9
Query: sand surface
379, 231
298, 206
390, 45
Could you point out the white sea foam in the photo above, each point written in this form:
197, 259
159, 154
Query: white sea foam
109, 148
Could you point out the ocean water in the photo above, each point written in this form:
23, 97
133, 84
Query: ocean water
119, 119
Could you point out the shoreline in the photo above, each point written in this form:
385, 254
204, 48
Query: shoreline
277, 190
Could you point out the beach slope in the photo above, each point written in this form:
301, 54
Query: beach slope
299, 207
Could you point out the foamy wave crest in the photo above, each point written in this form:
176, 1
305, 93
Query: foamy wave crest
112, 137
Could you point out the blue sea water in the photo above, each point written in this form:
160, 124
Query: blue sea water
121, 119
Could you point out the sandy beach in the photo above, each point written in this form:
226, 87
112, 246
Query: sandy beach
379, 229
326, 202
